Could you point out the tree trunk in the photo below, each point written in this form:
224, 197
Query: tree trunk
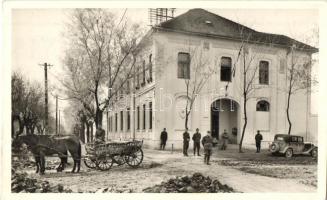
244, 126
289, 97
98, 118
186, 121
87, 132
91, 126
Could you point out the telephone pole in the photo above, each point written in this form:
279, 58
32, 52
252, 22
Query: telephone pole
46, 65
59, 123
57, 114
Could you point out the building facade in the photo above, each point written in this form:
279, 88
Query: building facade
156, 97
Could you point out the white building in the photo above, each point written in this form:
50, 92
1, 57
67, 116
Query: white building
165, 62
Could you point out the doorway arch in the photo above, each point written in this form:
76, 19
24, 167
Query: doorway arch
225, 116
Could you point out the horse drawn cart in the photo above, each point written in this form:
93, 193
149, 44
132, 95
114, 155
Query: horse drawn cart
103, 156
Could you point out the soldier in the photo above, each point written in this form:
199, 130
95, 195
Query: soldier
196, 142
258, 138
163, 139
207, 145
186, 140
225, 140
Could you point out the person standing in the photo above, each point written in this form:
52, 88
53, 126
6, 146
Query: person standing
207, 145
258, 138
225, 140
186, 140
196, 142
163, 139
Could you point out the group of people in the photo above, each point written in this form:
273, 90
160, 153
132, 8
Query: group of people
207, 142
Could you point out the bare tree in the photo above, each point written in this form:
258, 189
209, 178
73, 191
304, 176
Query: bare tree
195, 78
248, 73
299, 78
27, 103
100, 58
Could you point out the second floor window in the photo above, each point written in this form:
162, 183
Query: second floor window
226, 69
264, 72
184, 62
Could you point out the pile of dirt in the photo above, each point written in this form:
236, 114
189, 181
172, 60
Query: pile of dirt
21, 183
194, 184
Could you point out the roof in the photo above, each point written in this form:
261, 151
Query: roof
201, 22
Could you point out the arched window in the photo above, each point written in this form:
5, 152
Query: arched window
263, 106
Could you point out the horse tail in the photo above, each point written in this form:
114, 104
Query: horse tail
79, 151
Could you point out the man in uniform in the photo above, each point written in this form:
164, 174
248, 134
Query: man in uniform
196, 142
258, 138
207, 145
186, 140
163, 139
225, 140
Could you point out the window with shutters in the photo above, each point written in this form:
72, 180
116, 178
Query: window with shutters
138, 117
184, 62
150, 115
264, 73
116, 122
144, 116
226, 69
121, 120
128, 119
150, 68
143, 73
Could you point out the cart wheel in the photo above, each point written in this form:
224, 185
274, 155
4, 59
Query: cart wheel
119, 160
135, 158
104, 163
90, 163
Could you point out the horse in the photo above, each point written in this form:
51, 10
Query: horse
46, 145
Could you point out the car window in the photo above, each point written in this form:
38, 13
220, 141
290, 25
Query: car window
280, 138
294, 139
300, 139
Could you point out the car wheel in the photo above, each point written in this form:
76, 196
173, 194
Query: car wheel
289, 153
314, 153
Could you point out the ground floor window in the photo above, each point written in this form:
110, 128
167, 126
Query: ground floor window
144, 116
116, 122
128, 119
150, 115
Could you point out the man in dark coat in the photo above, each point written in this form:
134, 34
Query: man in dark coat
186, 140
258, 138
163, 139
207, 145
196, 142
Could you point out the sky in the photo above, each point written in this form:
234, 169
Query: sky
38, 34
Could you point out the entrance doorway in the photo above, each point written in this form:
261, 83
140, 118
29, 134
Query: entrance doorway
224, 116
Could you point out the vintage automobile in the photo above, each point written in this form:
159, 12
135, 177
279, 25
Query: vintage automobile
290, 145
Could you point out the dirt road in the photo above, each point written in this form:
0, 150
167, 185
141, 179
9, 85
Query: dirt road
159, 166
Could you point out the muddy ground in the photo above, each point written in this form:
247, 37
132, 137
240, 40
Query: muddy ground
246, 172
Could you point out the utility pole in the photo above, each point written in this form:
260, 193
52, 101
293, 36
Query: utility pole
46, 65
59, 123
57, 114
